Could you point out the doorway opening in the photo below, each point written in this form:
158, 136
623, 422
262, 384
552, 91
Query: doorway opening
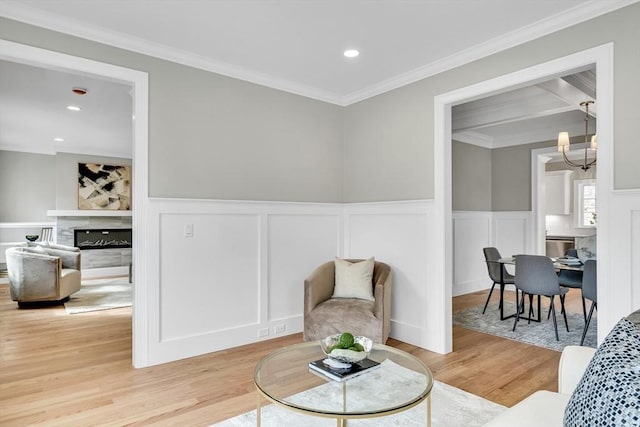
602, 58
138, 81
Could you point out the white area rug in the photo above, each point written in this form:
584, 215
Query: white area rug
450, 406
100, 294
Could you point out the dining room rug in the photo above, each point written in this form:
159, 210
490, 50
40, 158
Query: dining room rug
537, 333
100, 294
450, 407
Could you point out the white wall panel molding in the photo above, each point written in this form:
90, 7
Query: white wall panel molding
398, 233
512, 232
219, 265
239, 278
228, 273
296, 245
474, 230
619, 260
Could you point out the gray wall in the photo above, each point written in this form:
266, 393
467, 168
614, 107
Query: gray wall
211, 136
387, 156
215, 137
470, 177
511, 176
27, 186
492, 180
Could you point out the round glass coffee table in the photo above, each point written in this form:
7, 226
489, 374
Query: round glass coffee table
400, 382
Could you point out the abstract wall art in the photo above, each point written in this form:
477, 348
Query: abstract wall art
104, 186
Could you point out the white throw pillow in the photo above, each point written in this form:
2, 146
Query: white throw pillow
354, 280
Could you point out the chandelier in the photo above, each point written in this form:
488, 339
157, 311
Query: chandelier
563, 142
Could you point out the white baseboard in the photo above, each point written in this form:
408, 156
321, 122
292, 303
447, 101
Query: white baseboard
463, 288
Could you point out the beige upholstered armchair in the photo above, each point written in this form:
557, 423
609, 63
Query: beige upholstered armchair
43, 273
326, 315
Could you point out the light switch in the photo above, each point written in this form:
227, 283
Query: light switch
188, 230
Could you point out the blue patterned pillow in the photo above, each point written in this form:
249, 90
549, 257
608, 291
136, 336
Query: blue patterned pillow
609, 392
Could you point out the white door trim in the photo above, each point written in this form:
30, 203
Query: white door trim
16, 52
602, 56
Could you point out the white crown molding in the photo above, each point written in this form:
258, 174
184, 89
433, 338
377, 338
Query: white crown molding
473, 138
47, 150
39, 149
12, 9
584, 12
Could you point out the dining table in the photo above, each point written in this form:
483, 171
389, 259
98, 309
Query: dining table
573, 264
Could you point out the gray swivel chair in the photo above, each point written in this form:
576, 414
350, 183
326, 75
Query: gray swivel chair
44, 273
491, 256
535, 275
589, 291
572, 279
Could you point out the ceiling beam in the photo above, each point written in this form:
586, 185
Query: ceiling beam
485, 122
568, 93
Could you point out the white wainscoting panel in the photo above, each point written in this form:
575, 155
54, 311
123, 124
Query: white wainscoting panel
512, 233
297, 244
210, 281
619, 261
398, 234
471, 233
508, 231
239, 278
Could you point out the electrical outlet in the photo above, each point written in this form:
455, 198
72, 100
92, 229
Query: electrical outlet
279, 329
188, 230
264, 332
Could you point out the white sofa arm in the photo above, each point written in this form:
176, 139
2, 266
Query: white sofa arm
573, 363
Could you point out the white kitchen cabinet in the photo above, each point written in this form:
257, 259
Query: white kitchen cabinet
558, 192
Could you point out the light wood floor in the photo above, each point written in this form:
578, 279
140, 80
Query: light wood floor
58, 369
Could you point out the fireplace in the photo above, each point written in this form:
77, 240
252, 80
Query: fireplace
102, 238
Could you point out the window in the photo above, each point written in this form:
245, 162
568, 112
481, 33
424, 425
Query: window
585, 203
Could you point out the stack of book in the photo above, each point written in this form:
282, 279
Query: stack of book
328, 369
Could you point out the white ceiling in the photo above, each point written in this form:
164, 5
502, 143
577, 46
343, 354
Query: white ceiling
292, 45
33, 111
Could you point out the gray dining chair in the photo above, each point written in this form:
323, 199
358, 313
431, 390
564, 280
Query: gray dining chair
497, 272
589, 291
536, 275
572, 279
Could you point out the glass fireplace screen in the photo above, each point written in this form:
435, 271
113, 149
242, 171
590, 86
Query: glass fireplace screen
102, 238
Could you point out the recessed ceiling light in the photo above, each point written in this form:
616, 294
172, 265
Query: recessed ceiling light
351, 53
73, 108
58, 139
